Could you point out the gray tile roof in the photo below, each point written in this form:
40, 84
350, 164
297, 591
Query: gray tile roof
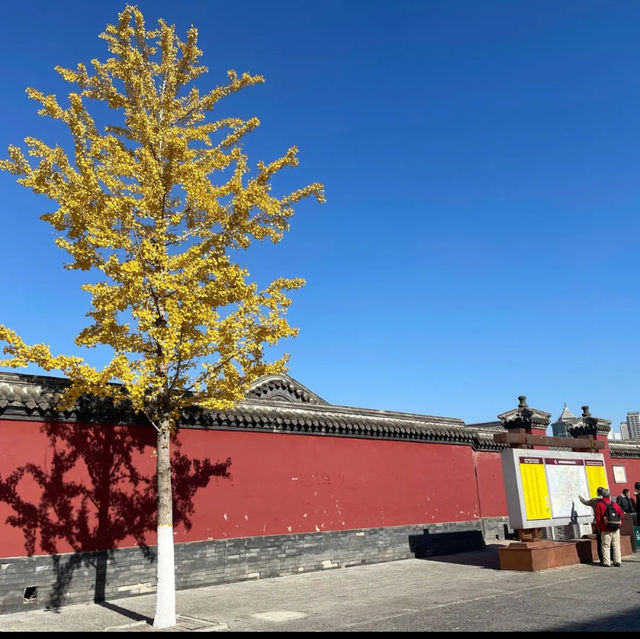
274, 404
566, 415
524, 416
495, 427
282, 387
626, 448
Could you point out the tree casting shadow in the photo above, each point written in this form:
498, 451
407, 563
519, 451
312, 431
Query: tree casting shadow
113, 499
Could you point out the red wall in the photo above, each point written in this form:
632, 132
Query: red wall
632, 467
74, 487
284, 483
492, 496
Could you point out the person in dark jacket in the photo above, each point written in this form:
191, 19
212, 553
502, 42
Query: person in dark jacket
593, 503
624, 501
610, 538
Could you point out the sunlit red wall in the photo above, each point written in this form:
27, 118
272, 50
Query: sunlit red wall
76, 487
492, 496
283, 483
632, 468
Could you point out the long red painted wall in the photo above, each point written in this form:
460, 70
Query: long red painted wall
76, 487
296, 483
72, 487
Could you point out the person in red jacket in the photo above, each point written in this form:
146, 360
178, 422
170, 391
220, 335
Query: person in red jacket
610, 538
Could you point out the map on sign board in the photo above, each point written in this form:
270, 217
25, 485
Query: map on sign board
567, 479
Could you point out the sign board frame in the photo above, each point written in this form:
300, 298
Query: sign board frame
535, 480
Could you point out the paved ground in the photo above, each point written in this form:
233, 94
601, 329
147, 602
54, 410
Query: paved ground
463, 592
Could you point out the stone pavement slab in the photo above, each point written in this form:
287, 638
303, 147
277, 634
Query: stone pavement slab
463, 592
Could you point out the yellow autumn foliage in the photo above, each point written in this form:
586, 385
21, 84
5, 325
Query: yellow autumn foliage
159, 202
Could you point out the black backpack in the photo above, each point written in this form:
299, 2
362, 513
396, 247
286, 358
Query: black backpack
612, 517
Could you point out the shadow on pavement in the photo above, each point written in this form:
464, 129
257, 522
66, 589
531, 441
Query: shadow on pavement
625, 619
487, 558
136, 616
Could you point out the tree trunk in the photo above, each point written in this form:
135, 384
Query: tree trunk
165, 615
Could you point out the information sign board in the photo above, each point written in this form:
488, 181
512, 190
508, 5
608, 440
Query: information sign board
543, 486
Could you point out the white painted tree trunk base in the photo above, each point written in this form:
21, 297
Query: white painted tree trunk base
165, 616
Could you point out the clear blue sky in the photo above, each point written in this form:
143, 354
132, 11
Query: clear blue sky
481, 162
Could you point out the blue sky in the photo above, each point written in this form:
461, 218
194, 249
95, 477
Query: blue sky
480, 161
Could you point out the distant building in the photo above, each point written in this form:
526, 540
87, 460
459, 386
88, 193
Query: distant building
633, 424
624, 430
559, 427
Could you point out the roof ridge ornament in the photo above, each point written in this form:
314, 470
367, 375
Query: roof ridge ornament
587, 424
284, 388
523, 416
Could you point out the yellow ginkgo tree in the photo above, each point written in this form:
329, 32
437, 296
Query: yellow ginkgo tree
157, 204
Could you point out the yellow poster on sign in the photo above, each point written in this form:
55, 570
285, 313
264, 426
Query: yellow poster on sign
534, 488
596, 477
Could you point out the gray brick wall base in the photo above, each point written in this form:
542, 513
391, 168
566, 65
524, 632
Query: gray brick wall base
494, 528
52, 581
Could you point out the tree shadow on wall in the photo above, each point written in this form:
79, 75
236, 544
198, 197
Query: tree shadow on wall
117, 500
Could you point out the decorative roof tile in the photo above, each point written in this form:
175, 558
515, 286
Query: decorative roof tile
282, 388
276, 403
586, 424
524, 417
626, 448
